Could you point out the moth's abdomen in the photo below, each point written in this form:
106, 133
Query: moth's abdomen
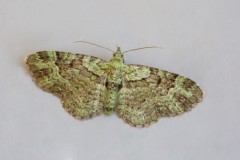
111, 98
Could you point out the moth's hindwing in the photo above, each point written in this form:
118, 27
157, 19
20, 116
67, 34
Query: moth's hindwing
152, 93
75, 78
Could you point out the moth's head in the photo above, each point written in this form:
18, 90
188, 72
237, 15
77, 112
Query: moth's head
118, 55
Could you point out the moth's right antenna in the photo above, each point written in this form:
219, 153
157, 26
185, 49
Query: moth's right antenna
94, 45
142, 48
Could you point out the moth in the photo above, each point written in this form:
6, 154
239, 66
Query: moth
88, 85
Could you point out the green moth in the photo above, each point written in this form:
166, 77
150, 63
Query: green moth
87, 85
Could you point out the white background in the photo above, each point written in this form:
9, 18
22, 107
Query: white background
200, 39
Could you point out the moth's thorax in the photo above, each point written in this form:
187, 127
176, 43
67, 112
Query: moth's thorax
115, 67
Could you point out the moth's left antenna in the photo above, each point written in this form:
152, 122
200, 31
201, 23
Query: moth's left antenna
94, 45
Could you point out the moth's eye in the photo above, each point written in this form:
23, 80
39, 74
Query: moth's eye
121, 55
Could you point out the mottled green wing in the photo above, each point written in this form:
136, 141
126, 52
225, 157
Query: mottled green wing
149, 93
76, 79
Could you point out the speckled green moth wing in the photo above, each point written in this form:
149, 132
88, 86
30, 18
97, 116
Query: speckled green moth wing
87, 85
75, 78
148, 94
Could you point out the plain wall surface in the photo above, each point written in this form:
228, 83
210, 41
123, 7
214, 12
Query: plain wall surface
200, 39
